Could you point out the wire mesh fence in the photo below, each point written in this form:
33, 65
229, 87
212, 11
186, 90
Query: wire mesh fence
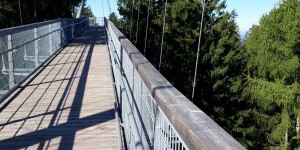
145, 124
23, 49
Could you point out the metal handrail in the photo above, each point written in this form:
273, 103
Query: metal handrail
116, 104
154, 114
13, 48
164, 117
4, 30
42, 39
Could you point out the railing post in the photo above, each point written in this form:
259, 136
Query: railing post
72, 29
50, 39
83, 25
36, 48
94, 21
62, 34
11, 76
80, 26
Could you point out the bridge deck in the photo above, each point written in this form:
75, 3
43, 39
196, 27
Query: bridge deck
67, 103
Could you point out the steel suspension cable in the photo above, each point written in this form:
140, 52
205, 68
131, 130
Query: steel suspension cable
131, 19
109, 6
20, 11
147, 25
103, 8
137, 23
199, 44
163, 34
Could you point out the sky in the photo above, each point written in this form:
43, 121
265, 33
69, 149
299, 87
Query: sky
98, 9
249, 11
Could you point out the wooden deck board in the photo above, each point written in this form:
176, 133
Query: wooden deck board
66, 104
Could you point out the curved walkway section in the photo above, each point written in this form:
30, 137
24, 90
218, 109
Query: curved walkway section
67, 104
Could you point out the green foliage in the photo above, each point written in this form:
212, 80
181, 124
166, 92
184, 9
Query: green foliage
8, 11
272, 93
222, 57
87, 11
36, 11
118, 22
113, 17
273, 72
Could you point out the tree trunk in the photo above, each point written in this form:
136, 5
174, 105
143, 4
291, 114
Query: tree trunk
21, 19
34, 5
298, 125
286, 138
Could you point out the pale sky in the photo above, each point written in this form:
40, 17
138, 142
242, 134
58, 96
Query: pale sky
249, 11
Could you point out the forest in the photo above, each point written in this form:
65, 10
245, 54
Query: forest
21, 12
249, 87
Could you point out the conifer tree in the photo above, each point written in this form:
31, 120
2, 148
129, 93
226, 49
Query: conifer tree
34, 11
273, 48
222, 57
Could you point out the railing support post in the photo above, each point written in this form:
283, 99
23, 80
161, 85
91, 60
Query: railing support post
62, 36
72, 29
11, 76
36, 48
50, 39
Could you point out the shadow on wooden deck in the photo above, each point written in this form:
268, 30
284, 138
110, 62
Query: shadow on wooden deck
67, 131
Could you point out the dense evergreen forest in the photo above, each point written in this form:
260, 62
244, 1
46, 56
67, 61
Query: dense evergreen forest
20, 12
251, 87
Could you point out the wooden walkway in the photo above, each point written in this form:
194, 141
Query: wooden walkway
67, 104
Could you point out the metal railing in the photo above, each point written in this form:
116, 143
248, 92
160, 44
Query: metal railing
155, 115
23, 49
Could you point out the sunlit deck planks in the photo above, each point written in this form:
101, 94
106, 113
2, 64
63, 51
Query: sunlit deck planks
66, 104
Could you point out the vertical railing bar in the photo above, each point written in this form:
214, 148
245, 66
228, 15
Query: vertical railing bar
13, 70
11, 76
36, 48
130, 114
50, 40
115, 98
161, 133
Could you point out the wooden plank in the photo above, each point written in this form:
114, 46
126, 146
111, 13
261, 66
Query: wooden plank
196, 129
68, 105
